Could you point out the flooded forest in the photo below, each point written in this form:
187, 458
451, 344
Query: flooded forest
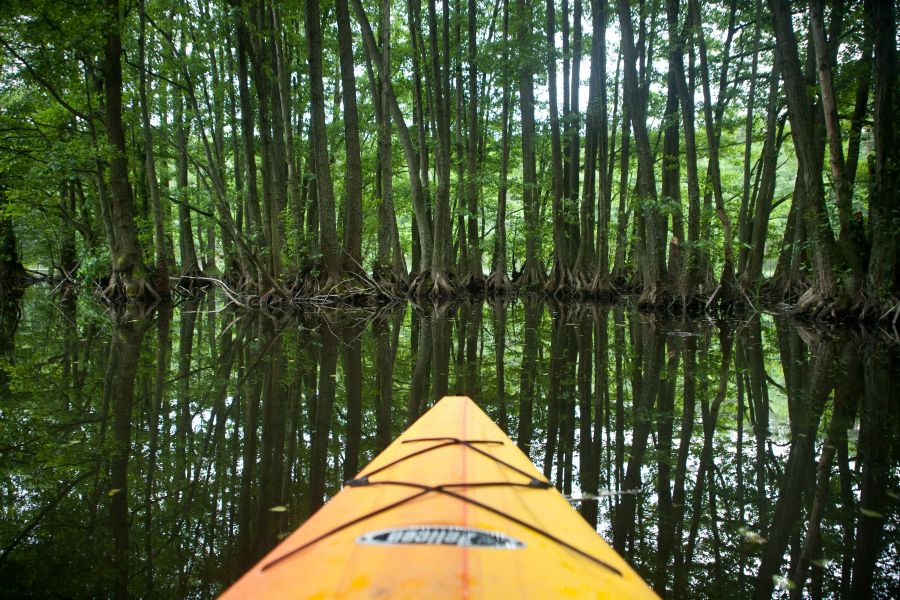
245, 243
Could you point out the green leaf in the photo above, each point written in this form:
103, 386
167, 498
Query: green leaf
871, 513
278, 509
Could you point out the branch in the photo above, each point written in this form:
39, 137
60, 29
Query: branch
43, 82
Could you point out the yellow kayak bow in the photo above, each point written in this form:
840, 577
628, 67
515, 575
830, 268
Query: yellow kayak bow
451, 509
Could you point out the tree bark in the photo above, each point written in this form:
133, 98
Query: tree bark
560, 280
652, 245
128, 279
851, 245
882, 279
474, 279
159, 230
532, 274
331, 253
419, 194
818, 298
498, 281
352, 165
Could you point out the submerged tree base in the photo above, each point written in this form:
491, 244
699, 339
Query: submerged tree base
531, 278
306, 288
498, 283
434, 284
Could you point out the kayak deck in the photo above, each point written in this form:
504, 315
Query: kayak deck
452, 508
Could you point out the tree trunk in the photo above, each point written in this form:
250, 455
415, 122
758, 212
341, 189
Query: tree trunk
560, 280
532, 275
352, 165
331, 252
460, 205
258, 236
726, 292
603, 284
438, 283
751, 276
587, 265
619, 275
11, 269
498, 281
746, 210
159, 230
128, 279
852, 246
671, 175
580, 215
651, 259
391, 265
883, 280
818, 298
420, 210
474, 279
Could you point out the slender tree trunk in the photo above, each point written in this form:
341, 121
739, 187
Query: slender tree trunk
726, 292
331, 252
852, 246
258, 236
498, 281
352, 165
752, 274
744, 222
651, 259
11, 269
619, 275
560, 280
532, 274
460, 206
419, 192
818, 298
671, 173
580, 215
128, 278
587, 265
475, 276
159, 230
882, 280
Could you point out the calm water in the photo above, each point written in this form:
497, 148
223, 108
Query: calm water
162, 456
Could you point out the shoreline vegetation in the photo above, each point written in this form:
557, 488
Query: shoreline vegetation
729, 155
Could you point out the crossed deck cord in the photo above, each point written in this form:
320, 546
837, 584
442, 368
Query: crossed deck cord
446, 489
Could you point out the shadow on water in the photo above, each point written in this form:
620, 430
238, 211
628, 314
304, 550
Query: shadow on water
161, 455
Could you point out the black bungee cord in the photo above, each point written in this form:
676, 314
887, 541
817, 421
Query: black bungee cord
446, 489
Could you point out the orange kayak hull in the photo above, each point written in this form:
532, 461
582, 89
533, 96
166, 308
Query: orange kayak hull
451, 509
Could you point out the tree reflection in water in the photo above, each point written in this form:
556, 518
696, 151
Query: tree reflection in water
161, 455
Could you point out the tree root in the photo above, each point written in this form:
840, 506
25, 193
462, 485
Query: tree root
433, 284
602, 288
498, 283
473, 282
561, 283
652, 297
532, 277
388, 282
120, 289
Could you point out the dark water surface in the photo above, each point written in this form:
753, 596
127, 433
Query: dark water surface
160, 457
